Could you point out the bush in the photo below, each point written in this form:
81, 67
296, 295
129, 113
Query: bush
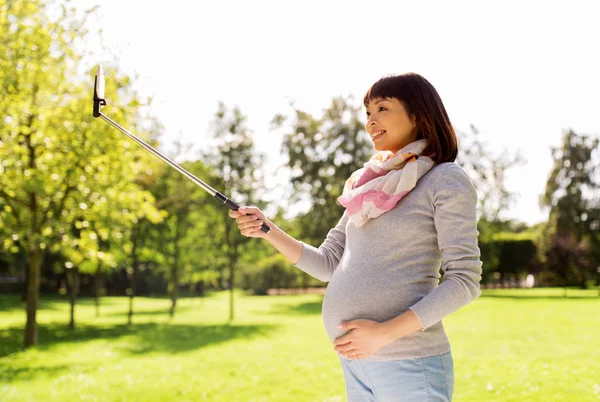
549, 279
275, 272
508, 256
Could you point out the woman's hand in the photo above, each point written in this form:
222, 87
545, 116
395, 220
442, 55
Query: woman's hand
249, 220
365, 337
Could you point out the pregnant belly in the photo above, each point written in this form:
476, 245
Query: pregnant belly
374, 298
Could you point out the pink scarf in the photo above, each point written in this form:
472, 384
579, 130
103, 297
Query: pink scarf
383, 181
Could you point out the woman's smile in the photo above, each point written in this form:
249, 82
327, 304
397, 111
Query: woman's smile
377, 135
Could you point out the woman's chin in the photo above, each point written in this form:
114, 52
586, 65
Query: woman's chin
380, 147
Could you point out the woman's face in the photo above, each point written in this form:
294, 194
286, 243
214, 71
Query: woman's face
389, 125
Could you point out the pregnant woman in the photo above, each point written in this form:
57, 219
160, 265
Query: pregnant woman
409, 211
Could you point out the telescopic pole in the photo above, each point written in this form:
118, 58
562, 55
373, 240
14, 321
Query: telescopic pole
99, 101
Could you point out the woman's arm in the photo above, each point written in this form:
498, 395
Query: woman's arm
285, 244
319, 262
322, 261
250, 219
455, 218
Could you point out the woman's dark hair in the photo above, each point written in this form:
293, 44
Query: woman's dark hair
420, 98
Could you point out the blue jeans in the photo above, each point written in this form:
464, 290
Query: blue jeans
422, 379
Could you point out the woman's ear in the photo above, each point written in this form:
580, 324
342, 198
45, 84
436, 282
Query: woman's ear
413, 119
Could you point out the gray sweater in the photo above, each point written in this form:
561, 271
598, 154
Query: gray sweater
392, 263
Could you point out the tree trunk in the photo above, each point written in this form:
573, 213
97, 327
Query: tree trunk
26, 270
131, 292
33, 293
174, 289
231, 282
175, 267
174, 285
233, 256
73, 285
221, 280
97, 287
173, 300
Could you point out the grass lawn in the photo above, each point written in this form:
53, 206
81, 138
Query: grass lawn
509, 345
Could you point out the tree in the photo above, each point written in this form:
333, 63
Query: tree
487, 170
29, 183
572, 194
51, 151
322, 153
235, 171
178, 197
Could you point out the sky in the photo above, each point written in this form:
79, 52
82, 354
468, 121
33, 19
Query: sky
522, 72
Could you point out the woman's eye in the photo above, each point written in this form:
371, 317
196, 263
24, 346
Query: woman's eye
382, 108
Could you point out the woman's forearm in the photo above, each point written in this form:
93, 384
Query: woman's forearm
289, 247
402, 325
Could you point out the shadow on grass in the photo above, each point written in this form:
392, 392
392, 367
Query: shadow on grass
139, 312
303, 308
9, 373
12, 303
539, 297
134, 340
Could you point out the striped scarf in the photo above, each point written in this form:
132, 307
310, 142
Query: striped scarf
383, 181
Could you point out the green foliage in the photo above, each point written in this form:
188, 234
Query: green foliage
517, 256
274, 272
63, 173
64, 183
487, 170
322, 154
178, 239
511, 236
236, 172
571, 237
505, 257
573, 184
